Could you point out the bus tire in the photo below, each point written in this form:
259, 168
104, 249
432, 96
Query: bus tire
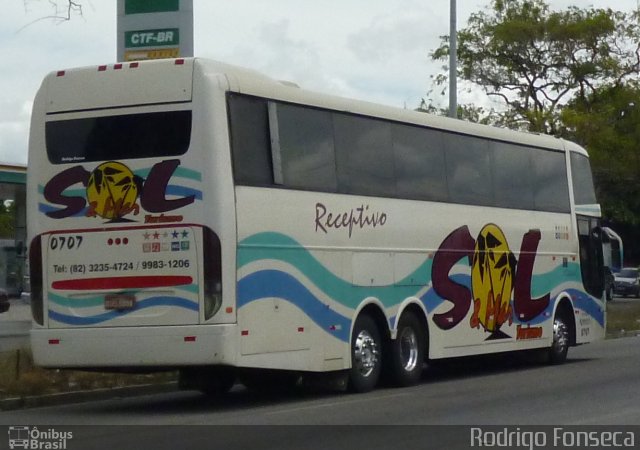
561, 339
366, 355
407, 350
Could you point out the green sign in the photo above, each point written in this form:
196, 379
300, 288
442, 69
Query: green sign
13, 177
152, 38
150, 6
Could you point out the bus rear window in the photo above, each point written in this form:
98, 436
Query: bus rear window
118, 137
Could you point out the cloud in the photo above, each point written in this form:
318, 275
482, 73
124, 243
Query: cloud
13, 141
394, 37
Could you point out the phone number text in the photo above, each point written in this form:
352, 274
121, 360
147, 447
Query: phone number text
131, 266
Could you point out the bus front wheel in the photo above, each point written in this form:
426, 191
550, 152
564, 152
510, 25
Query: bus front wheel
366, 355
560, 345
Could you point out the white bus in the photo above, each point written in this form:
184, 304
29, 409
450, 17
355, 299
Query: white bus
186, 214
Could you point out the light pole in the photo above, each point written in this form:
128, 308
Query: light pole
453, 62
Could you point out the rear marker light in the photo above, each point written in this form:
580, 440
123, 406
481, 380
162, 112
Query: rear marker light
102, 68
245, 333
300, 329
54, 341
179, 62
189, 338
118, 241
117, 66
60, 73
229, 310
134, 65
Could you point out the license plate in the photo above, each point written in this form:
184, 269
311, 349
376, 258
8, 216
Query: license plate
119, 301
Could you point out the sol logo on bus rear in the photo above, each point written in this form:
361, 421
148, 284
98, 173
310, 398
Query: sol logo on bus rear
113, 191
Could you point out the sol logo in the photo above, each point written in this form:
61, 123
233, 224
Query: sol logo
112, 191
495, 274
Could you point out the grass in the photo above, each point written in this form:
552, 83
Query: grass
623, 317
20, 378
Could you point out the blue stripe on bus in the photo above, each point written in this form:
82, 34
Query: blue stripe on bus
273, 283
144, 304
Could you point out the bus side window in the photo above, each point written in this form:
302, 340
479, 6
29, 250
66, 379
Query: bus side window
304, 148
250, 147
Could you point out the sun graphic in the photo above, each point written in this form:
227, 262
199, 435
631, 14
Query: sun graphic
112, 190
492, 276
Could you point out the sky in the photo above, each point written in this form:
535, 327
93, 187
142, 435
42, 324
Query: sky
375, 50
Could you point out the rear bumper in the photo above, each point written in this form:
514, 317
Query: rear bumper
147, 347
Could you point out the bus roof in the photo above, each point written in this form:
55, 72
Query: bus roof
67, 87
250, 82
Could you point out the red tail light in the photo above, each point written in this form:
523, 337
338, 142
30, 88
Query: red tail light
35, 272
212, 273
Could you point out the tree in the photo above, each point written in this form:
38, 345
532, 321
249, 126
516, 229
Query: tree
607, 123
61, 10
7, 219
535, 60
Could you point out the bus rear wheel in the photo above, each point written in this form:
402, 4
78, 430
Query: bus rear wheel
407, 352
366, 355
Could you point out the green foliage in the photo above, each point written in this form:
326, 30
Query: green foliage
7, 220
607, 122
535, 60
571, 73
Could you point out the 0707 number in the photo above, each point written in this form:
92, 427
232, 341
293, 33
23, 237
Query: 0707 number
65, 242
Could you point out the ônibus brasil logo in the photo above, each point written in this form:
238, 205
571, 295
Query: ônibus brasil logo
32, 438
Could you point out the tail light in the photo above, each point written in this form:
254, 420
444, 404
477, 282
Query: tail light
212, 273
35, 274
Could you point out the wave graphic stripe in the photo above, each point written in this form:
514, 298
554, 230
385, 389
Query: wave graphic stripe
264, 246
175, 190
273, 283
144, 304
44, 208
586, 303
98, 300
179, 172
183, 191
277, 246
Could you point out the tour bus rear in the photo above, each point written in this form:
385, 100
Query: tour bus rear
125, 257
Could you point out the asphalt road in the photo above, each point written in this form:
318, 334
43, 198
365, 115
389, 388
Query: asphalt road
599, 385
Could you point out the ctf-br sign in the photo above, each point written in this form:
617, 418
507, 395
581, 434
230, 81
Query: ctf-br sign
154, 29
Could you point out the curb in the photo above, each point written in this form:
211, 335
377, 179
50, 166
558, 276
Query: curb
85, 396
